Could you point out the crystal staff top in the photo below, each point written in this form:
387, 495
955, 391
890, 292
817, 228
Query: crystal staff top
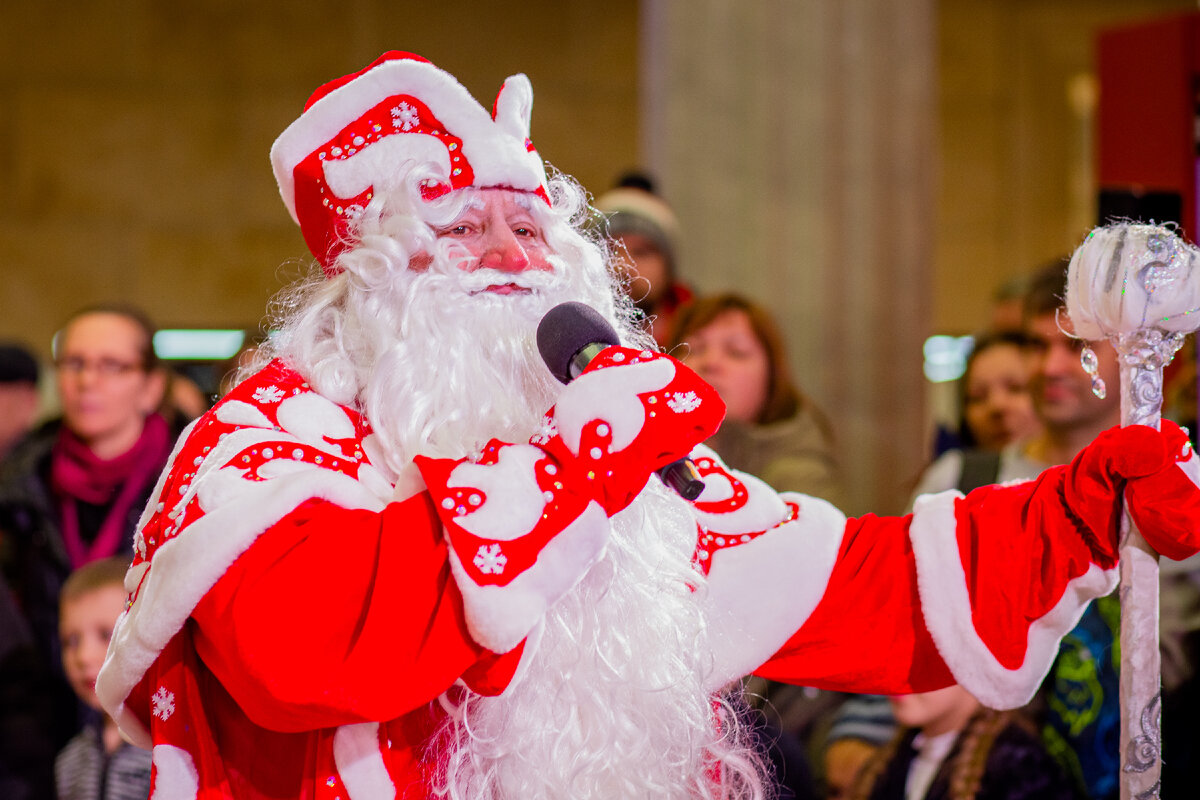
1129, 277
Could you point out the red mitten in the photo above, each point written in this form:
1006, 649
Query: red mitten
630, 413
523, 528
526, 521
1165, 502
1093, 481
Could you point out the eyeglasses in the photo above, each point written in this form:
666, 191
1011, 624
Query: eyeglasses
104, 367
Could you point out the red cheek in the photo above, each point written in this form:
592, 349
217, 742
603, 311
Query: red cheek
420, 262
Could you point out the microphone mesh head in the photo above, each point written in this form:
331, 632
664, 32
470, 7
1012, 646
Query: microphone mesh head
568, 328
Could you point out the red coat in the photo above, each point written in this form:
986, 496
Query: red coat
250, 679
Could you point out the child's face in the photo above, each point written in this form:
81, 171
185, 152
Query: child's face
936, 712
85, 626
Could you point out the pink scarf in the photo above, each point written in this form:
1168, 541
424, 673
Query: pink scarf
77, 474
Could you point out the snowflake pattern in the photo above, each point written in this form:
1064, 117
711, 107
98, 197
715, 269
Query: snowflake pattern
404, 117
547, 431
164, 703
490, 560
683, 402
268, 394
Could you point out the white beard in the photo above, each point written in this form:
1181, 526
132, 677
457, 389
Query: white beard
452, 380
612, 701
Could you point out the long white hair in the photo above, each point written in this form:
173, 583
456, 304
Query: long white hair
611, 700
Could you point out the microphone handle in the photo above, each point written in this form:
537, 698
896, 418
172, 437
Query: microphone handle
683, 477
583, 357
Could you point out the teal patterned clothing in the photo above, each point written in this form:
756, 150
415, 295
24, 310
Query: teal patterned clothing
1083, 715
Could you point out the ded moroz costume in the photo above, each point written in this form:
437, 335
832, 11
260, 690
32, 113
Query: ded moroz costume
380, 567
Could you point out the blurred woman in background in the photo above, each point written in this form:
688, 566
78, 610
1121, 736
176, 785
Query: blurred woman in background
996, 410
771, 429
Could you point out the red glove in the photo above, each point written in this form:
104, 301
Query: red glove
1165, 505
630, 413
526, 521
1165, 502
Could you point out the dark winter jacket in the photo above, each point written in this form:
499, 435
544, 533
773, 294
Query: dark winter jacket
34, 558
1015, 765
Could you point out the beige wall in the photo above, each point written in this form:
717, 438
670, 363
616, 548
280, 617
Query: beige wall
801, 161
1016, 183
134, 135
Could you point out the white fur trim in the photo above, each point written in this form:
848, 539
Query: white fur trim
176, 778
496, 155
945, 603
611, 395
360, 762
499, 617
761, 592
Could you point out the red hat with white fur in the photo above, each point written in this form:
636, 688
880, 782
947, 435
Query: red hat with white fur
358, 133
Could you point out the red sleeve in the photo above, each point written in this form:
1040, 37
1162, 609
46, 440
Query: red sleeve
336, 616
976, 590
867, 634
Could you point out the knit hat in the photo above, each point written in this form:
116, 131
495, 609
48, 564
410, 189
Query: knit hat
358, 133
630, 210
17, 365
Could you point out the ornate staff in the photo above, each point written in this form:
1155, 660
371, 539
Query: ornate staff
1139, 287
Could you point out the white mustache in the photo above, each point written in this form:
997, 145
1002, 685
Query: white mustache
479, 280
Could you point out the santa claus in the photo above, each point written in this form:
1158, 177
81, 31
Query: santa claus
401, 559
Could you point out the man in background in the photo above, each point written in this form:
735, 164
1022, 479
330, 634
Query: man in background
647, 233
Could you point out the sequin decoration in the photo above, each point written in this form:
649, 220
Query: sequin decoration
1091, 365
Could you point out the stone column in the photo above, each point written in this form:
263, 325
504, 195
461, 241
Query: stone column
795, 139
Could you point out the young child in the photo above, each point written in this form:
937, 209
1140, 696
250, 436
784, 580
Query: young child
96, 764
952, 748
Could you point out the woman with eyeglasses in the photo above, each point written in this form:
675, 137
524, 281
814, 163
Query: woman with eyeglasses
71, 492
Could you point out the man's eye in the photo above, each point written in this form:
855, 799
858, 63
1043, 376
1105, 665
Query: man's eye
524, 231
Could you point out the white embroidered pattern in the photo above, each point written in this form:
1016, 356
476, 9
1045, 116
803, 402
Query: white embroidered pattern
490, 560
268, 394
404, 117
164, 703
683, 402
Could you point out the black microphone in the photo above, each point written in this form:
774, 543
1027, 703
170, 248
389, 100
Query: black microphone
569, 337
